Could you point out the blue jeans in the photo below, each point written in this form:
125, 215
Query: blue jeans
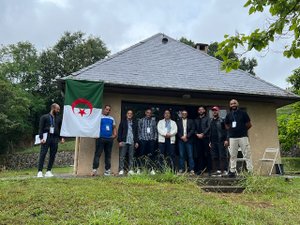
186, 149
106, 145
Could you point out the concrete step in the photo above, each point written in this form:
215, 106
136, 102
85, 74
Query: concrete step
223, 189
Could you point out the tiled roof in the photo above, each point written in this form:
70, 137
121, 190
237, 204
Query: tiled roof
174, 65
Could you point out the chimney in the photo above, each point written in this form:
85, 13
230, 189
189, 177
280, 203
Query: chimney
202, 47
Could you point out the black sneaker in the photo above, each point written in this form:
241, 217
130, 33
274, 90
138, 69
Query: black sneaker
231, 174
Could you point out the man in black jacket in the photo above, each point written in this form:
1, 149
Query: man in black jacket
202, 153
186, 130
218, 143
49, 131
128, 141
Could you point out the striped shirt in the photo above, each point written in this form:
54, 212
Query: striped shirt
147, 129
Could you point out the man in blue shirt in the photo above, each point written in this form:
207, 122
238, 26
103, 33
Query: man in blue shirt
108, 133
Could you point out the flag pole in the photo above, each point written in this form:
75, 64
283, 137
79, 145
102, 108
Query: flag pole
77, 144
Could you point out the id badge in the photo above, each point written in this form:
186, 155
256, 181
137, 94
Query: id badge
51, 130
107, 128
233, 124
148, 130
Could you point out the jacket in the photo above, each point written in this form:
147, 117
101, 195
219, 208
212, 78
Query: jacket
161, 128
202, 126
190, 128
123, 129
45, 123
221, 131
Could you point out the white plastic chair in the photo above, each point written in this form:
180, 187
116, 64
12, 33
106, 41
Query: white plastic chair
270, 156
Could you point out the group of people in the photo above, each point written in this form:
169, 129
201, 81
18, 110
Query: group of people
204, 144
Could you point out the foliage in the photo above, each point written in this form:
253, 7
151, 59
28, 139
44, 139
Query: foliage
29, 84
289, 130
245, 64
289, 121
285, 19
291, 164
294, 79
116, 200
20, 65
14, 111
71, 53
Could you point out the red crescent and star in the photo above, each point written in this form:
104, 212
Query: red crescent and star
82, 101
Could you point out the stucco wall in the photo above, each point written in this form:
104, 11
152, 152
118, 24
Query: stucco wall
263, 133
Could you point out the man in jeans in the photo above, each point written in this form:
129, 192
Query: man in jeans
147, 132
108, 133
128, 141
238, 123
186, 130
50, 124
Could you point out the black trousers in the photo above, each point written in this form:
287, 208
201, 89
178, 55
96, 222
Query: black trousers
105, 144
52, 143
203, 157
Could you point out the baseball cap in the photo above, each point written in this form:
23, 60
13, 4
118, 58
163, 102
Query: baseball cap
215, 108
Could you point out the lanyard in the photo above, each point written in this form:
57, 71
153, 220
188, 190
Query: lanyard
234, 119
51, 120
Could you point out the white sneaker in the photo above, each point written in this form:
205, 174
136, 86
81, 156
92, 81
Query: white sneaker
40, 174
94, 172
107, 173
121, 173
49, 174
130, 172
138, 172
152, 172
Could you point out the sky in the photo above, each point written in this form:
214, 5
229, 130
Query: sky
122, 23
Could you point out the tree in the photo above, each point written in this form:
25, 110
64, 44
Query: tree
71, 53
28, 81
14, 111
289, 123
294, 79
245, 64
285, 16
20, 65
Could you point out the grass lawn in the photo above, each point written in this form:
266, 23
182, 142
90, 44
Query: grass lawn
159, 199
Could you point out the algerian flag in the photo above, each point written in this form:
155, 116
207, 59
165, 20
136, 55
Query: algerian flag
83, 108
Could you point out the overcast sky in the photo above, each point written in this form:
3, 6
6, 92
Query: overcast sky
122, 23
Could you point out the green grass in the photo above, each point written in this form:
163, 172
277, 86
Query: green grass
67, 146
291, 164
159, 199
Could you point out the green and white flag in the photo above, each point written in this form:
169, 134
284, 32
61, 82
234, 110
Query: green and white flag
82, 109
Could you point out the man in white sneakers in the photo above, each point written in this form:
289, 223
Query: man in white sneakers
50, 124
167, 130
128, 142
108, 132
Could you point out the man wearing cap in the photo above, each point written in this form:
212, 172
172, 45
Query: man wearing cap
237, 122
218, 143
